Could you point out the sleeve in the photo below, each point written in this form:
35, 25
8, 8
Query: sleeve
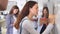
48, 29
27, 25
8, 24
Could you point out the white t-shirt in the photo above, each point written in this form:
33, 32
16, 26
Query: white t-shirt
15, 31
39, 28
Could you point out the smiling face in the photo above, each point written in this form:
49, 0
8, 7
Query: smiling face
15, 11
45, 11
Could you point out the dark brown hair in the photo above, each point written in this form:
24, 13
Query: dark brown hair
47, 15
24, 12
14, 7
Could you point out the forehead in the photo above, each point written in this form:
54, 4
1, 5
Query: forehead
44, 9
36, 5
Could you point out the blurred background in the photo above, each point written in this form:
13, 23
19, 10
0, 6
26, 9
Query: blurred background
53, 5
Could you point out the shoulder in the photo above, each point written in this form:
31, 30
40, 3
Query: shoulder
8, 16
26, 23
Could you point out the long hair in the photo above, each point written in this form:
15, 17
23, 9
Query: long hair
47, 15
24, 12
14, 7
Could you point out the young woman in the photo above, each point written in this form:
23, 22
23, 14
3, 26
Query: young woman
24, 20
29, 10
47, 21
11, 18
50, 25
43, 20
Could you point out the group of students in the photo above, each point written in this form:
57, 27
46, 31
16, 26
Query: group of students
20, 22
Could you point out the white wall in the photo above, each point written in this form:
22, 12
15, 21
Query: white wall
21, 4
57, 17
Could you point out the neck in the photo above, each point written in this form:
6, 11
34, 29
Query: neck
30, 16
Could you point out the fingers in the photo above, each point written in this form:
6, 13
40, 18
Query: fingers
52, 19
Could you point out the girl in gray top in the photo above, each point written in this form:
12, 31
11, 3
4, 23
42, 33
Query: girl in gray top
25, 18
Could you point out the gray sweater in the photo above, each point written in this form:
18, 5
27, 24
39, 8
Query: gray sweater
28, 27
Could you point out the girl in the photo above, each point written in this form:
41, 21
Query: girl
10, 19
25, 18
44, 20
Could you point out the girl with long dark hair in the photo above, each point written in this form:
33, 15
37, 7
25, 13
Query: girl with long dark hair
24, 20
10, 19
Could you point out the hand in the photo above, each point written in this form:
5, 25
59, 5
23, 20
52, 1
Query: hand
44, 20
52, 19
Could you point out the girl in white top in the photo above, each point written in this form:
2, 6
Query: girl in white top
15, 11
29, 10
15, 31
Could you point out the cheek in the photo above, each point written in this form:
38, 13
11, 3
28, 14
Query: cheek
15, 12
32, 11
36, 11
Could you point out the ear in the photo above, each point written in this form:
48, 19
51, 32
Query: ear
30, 9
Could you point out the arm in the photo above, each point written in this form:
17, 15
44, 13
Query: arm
48, 29
50, 25
27, 25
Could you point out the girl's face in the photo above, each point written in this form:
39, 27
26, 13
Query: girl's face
34, 10
45, 11
15, 11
